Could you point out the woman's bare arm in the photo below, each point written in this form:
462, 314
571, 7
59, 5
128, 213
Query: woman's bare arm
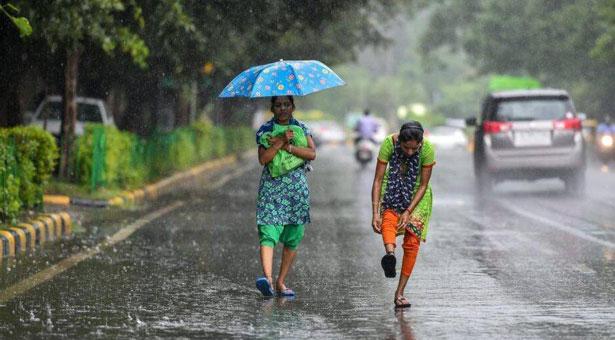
266, 155
377, 187
425, 177
308, 153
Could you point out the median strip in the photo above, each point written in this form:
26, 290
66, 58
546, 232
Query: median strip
25, 236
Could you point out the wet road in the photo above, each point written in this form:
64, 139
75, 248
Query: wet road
530, 261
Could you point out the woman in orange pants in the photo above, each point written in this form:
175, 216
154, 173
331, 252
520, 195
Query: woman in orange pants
402, 199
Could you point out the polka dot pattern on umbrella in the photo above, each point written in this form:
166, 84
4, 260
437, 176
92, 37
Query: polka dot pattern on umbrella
291, 77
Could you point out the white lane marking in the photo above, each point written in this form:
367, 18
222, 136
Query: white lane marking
47, 274
560, 226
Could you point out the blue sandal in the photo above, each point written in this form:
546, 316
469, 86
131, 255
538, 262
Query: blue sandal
286, 292
263, 285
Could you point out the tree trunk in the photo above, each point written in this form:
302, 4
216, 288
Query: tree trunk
69, 118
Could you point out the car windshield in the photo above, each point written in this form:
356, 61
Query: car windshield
85, 112
532, 109
52, 111
88, 113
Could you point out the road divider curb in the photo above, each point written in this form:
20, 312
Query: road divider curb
25, 237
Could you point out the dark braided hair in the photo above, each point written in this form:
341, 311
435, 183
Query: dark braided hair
411, 130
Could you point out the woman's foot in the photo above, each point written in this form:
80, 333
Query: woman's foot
282, 290
388, 264
264, 286
401, 302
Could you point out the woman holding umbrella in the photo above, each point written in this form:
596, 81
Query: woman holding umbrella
402, 199
283, 206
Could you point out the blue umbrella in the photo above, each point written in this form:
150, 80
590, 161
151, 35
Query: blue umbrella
285, 77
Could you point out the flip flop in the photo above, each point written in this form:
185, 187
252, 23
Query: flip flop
399, 302
388, 264
286, 292
263, 285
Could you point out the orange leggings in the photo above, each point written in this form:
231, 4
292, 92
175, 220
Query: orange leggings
411, 242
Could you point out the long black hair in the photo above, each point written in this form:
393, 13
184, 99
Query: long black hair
411, 130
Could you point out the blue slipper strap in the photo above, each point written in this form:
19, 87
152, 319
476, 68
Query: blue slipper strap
263, 285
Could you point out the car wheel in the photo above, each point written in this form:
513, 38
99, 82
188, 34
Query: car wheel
484, 181
575, 182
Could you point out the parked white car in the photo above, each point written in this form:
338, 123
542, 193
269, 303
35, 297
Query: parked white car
48, 114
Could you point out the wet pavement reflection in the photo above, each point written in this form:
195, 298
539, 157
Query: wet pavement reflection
528, 261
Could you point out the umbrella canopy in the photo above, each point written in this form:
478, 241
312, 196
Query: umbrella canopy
282, 78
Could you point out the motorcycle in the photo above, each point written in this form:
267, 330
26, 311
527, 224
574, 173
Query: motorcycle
365, 150
605, 146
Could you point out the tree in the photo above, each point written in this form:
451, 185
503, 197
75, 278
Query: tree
231, 36
564, 43
68, 26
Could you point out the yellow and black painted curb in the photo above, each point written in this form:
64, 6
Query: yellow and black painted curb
149, 192
25, 237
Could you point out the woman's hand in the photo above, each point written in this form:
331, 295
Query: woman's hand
377, 224
288, 135
277, 142
404, 219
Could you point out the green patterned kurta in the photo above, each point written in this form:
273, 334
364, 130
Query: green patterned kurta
284, 199
422, 213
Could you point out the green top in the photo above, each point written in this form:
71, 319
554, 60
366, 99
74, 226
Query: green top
426, 158
422, 213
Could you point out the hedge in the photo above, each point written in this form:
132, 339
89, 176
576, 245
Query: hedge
27, 159
111, 158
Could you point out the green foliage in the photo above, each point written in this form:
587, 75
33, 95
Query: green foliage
128, 161
567, 44
10, 204
27, 159
605, 44
117, 163
218, 142
182, 150
203, 140
70, 24
21, 23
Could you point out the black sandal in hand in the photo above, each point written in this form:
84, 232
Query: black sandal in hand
388, 264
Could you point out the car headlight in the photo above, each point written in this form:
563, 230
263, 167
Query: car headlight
606, 141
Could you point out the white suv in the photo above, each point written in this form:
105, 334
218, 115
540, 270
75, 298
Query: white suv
48, 114
529, 134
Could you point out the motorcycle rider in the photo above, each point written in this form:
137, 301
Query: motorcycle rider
366, 128
606, 125
605, 135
